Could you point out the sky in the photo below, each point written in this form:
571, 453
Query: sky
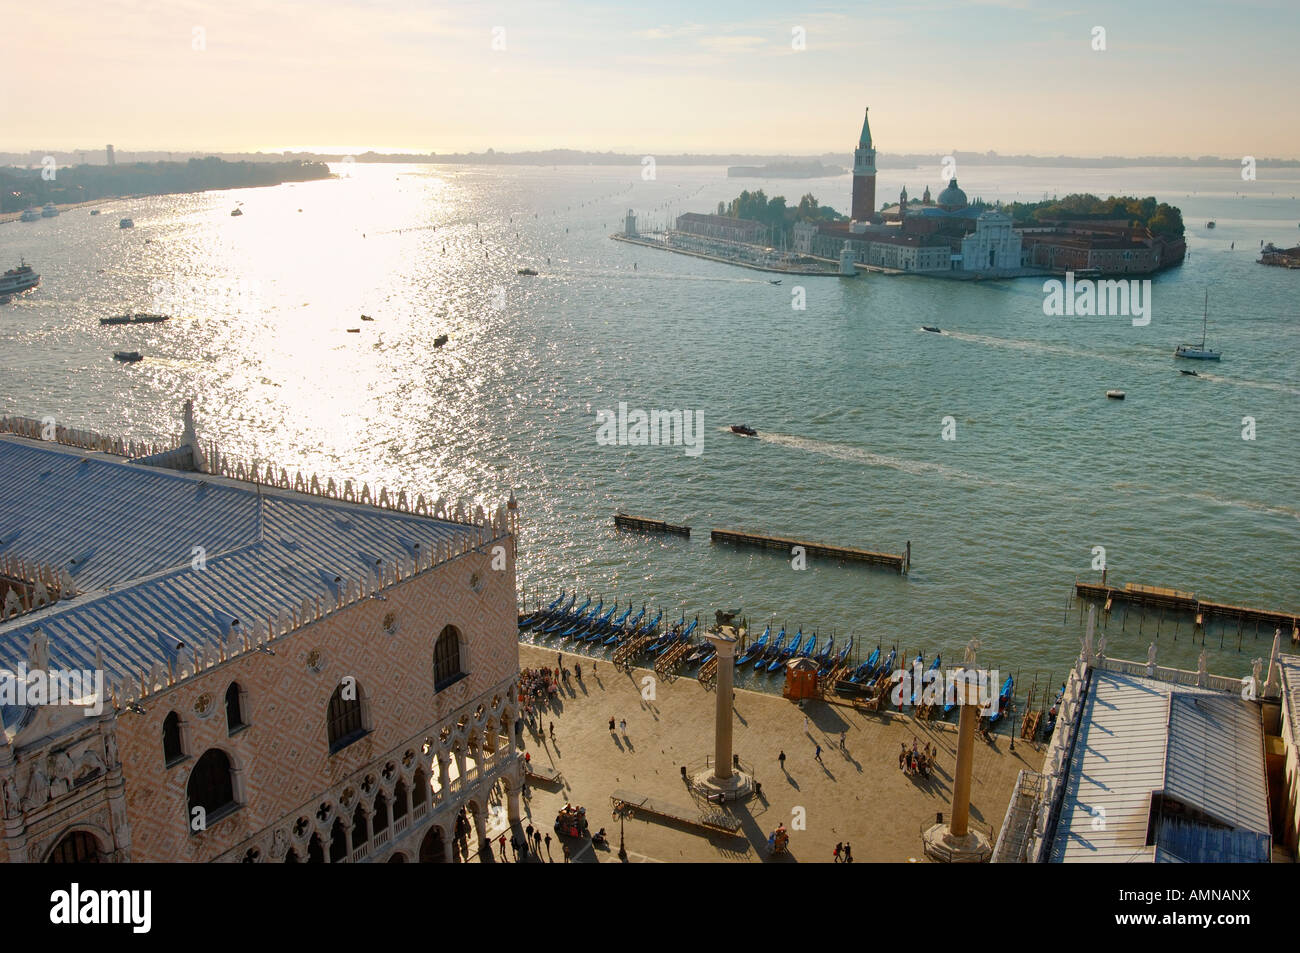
654, 76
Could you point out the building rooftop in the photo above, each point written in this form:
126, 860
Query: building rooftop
1164, 772
127, 534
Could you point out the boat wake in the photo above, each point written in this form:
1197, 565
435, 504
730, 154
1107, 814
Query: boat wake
851, 454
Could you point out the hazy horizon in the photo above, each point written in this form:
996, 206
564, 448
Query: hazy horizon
1010, 76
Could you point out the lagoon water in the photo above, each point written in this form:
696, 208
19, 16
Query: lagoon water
848, 395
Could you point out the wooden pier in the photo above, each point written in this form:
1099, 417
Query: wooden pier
643, 525
899, 562
1180, 601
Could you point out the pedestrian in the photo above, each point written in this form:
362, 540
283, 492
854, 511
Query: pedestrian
528, 759
514, 848
577, 670
566, 853
818, 755
548, 844
552, 731
848, 853
844, 737
781, 758
593, 668
836, 853
805, 722
529, 831
902, 756
559, 659
502, 844
622, 725
611, 724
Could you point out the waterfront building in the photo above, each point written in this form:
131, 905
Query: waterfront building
108, 150
629, 224
1154, 764
1112, 248
292, 670
722, 227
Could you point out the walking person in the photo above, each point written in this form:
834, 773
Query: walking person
566, 853
844, 737
836, 853
502, 844
848, 853
577, 670
548, 845
818, 754
552, 731
781, 758
611, 724
622, 725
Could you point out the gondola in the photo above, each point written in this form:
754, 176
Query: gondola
756, 648
537, 615
559, 625
616, 630
822, 656
776, 647
782, 654
832, 664
1004, 700
866, 668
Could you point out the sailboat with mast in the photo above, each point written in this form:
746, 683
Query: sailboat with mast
1202, 353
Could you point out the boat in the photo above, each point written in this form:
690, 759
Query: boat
776, 647
530, 272
128, 357
49, 211
1115, 394
137, 318
931, 328
32, 214
780, 655
354, 330
774, 281
94, 211
1209, 224
1004, 700
833, 664
440, 340
126, 223
1188, 373
1202, 353
867, 667
530, 621
616, 628
756, 648
236, 212
366, 317
825, 653
918, 693
20, 279
744, 430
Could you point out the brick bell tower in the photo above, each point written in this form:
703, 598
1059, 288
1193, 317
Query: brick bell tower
864, 176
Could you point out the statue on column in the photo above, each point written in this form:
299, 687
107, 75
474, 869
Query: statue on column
1151, 660
971, 648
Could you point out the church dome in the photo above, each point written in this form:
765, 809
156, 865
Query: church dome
952, 197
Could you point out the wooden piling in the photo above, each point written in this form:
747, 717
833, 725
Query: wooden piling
641, 524
898, 562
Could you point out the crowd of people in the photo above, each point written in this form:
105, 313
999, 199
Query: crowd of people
536, 686
917, 760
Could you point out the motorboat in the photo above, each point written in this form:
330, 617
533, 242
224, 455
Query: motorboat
931, 328
528, 271
744, 430
128, 357
366, 317
126, 223
1202, 353
32, 214
49, 211
94, 211
236, 212
1115, 394
1189, 373
440, 340
20, 279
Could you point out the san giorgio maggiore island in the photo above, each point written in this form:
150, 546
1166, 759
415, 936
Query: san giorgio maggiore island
945, 236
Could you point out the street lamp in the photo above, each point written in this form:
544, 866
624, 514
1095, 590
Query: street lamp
622, 851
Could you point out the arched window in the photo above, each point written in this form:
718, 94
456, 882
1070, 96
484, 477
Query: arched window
446, 658
234, 709
360, 830
173, 750
315, 850
399, 800
211, 787
421, 793
381, 813
292, 857
75, 847
345, 722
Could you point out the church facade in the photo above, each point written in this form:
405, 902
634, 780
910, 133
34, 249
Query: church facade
276, 669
